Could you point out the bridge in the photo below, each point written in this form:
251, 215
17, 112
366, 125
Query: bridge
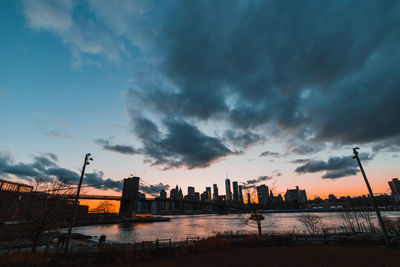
131, 201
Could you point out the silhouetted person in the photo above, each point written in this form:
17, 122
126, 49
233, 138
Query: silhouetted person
102, 239
61, 241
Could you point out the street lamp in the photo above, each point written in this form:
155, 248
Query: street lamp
378, 213
86, 162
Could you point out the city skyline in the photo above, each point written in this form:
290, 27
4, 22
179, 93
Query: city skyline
134, 85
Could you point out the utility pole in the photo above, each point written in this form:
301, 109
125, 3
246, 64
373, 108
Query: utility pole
86, 162
378, 213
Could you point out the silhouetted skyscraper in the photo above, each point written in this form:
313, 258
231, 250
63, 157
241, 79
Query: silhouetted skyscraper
235, 191
215, 191
190, 190
163, 194
208, 191
240, 194
262, 194
228, 189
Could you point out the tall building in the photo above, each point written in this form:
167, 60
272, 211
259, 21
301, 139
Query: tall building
293, 195
208, 191
190, 190
173, 194
262, 194
240, 194
163, 194
228, 189
395, 187
235, 191
130, 196
215, 187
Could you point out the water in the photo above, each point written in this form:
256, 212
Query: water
182, 226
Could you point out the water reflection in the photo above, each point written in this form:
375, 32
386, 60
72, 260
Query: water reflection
205, 225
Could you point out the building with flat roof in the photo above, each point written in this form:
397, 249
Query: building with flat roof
296, 195
228, 189
215, 188
262, 194
235, 191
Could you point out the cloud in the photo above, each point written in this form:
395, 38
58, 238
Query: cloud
300, 161
182, 144
57, 134
335, 167
123, 149
153, 190
306, 73
252, 182
49, 14
82, 34
242, 139
269, 153
45, 166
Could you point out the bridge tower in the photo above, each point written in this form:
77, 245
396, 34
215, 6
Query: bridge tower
129, 199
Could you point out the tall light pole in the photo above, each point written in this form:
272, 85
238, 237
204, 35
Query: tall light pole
378, 213
86, 162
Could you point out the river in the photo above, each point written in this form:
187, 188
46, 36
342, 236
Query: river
204, 225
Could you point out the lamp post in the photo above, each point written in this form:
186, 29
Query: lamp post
378, 213
86, 162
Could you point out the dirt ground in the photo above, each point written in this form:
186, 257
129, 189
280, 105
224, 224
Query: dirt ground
287, 256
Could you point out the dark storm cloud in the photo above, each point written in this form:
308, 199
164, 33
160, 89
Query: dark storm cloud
269, 153
259, 179
252, 182
335, 167
323, 71
45, 167
242, 139
123, 149
153, 189
183, 144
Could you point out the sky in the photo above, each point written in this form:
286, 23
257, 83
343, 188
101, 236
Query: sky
190, 92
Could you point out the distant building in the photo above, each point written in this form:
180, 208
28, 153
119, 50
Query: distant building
163, 194
208, 191
228, 189
296, 195
240, 194
262, 194
215, 187
235, 191
395, 187
173, 194
196, 196
190, 190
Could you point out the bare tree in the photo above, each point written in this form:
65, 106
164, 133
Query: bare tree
256, 215
312, 222
357, 221
44, 208
104, 208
